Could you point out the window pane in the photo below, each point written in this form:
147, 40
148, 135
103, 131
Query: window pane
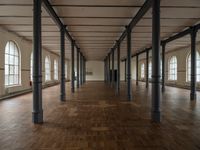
11, 64
6, 70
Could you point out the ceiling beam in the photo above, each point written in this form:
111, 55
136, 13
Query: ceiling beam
56, 19
142, 11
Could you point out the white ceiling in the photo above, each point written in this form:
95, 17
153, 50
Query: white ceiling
97, 24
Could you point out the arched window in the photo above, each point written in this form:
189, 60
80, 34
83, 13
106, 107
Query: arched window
12, 64
142, 70
150, 69
47, 69
55, 70
188, 75
173, 68
31, 67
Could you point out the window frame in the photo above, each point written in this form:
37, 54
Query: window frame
16, 56
47, 72
188, 67
173, 68
142, 71
150, 69
55, 69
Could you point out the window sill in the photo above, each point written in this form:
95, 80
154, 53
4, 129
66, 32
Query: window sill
12, 86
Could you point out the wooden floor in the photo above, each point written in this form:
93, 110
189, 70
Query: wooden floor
94, 118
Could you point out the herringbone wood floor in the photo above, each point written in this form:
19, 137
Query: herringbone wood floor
94, 118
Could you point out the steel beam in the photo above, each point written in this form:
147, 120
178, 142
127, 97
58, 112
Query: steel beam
155, 113
193, 64
37, 114
62, 65
129, 83
142, 11
72, 67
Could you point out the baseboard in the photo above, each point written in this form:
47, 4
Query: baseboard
26, 91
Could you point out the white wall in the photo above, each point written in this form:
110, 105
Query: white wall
25, 48
97, 69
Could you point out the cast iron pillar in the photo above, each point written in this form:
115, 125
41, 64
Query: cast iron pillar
129, 85
137, 70
147, 68
84, 69
163, 66
155, 112
125, 69
80, 69
118, 68
193, 64
109, 68
72, 66
62, 64
113, 69
105, 70
37, 115
78, 83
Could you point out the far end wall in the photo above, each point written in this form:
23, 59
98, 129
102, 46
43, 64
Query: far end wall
94, 70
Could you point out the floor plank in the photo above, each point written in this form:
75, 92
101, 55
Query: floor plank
94, 118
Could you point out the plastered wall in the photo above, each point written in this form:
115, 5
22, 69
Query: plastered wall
181, 55
25, 48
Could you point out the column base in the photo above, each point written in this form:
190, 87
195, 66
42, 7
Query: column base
37, 117
129, 97
155, 116
193, 96
62, 98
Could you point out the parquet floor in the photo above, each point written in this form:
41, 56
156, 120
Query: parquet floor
94, 118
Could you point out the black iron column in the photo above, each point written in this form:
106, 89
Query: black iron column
125, 70
156, 61
37, 115
104, 70
137, 70
81, 69
129, 84
193, 64
118, 68
84, 69
109, 68
163, 66
147, 68
72, 66
78, 57
62, 64
113, 69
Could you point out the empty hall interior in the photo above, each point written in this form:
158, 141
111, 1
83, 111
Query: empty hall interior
99, 75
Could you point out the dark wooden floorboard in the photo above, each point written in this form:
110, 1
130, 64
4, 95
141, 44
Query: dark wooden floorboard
94, 118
